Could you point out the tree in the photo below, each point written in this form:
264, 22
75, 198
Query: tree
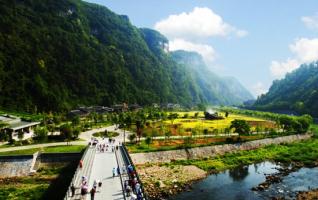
286, 123
127, 121
76, 132
66, 132
240, 126
172, 117
148, 141
196, 115
76, 120
226, 114
304, 121
40, 134
187, 141
132, 137
140, 120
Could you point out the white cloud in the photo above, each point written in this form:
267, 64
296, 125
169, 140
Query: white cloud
206, 51
259, 88
279, 69
305, 51
201, 22
311, 22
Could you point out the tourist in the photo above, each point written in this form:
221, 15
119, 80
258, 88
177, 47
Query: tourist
100, 184
81, 164
114, 172
137, 188
123, 169
139, 196
72, 190
95, 184
93, 191
118, 170
127, 189
84, 190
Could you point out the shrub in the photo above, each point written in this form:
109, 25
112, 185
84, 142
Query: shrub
40, 134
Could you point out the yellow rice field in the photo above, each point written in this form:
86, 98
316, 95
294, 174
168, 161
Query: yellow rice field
201, 123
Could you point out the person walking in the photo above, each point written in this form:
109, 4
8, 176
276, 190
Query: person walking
93, 191
81, 164
114, 172
72, 190
99, 184
95, 184
118, 170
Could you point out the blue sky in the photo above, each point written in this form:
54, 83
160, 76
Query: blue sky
254, 41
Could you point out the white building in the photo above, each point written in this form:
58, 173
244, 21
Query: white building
17, 125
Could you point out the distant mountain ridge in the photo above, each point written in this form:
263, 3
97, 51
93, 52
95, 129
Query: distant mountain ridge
215, 89
55, 55
297, 92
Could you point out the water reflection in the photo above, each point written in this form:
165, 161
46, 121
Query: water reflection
239, 173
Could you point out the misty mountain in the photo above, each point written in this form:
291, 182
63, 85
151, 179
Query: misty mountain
215, 89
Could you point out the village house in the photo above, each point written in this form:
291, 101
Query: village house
16, 125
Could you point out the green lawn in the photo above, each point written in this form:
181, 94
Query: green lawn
53, 149
48, 183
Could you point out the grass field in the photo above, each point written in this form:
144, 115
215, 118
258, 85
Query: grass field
53, 149
48, 183
305, 152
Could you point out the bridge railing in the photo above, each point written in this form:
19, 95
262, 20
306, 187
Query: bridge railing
128, 161
87, 158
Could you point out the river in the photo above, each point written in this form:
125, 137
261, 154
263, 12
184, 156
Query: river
236, 184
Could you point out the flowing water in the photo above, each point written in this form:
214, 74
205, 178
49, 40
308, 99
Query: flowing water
237, 183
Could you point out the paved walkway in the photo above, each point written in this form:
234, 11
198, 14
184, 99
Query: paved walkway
102, 170
86, 136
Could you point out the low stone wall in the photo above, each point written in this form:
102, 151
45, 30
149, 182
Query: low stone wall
15, 165
21, 165
210, 151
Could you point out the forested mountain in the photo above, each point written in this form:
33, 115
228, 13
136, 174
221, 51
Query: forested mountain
55, 55
58, 54
215, 89
297, 92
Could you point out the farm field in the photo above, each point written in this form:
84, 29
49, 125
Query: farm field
190, 123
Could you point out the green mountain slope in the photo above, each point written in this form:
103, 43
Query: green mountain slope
298, 91
215, 89
55, 55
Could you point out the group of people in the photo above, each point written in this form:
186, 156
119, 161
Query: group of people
106, 145
84, 188
132, 186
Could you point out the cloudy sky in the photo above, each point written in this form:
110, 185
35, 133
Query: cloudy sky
254, 41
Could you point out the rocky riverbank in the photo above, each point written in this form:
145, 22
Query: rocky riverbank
310, 195
161, 182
